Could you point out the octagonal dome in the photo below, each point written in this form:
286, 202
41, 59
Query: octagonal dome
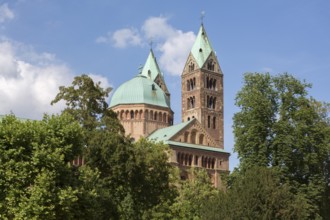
140, 90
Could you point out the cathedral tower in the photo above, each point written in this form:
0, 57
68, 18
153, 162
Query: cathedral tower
202, 88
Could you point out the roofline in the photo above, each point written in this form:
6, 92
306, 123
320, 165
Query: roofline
195, 146
146, 104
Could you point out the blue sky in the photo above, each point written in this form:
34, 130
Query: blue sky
45, 43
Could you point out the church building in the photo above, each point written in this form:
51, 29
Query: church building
143, 108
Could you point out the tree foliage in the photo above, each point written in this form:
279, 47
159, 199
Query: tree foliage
258, 194
279, 126
36, 178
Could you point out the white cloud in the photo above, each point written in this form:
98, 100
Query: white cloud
26, 87
122, 38
175, 50
5, 13
174, 44
29, 81
158, 28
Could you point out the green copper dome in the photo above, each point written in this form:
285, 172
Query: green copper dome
140, 90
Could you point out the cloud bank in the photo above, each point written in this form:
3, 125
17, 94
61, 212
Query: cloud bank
173, 44
27, 86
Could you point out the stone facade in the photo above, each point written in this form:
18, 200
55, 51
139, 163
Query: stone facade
140, 120
202, 96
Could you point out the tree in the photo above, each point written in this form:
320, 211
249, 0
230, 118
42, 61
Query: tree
257, 194
132, 179
279, 126
192, 196
37, 180
86, 101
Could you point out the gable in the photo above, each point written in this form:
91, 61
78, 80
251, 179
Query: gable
194, 133
190, 65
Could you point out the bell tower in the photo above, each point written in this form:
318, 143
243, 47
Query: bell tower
202, 88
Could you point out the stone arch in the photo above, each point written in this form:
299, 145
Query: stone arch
186, 135
131, 114
193, 137
201, 139
122, 114
141, 114
127, 115
146, 114
155, 115
160, 116
151, 115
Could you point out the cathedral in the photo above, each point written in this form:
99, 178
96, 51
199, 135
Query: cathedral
144, 109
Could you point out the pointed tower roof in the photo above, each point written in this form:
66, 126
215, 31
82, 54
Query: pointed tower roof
202, 48
151, 69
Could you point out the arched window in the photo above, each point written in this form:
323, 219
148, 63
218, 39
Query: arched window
137, 116
213, 163
213, 103
188, 118
151, 115
188, 85
196, 160
210, 65
178, 155
193, 137
160, 116
141, 114
201, 138
155, 116
164, 117
146, 114
127, 114
186, 134
208, 121
132, 114
214, 122
214, 84
207, 82
194, 82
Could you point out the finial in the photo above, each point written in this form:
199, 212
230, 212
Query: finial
202, 16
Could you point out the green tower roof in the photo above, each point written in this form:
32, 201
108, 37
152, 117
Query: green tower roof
151, 69
202, 48
140, 90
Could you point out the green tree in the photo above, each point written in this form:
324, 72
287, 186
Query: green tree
279, 126
193, 194
36, 177
132, 179
256, 194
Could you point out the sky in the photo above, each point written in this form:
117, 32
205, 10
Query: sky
45, 43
